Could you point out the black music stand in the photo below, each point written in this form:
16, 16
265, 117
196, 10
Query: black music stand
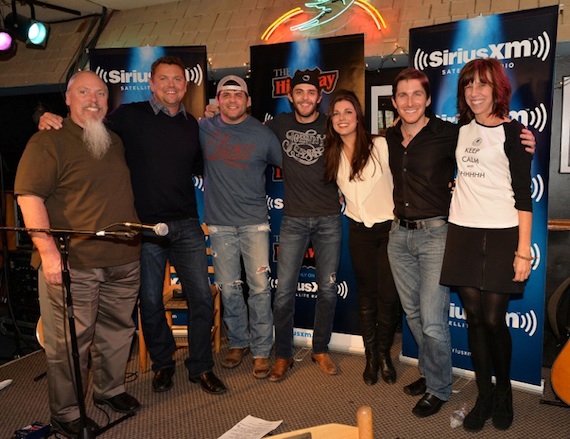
63, 236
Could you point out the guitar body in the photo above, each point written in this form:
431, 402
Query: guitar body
560, 374
559, 317
40, 332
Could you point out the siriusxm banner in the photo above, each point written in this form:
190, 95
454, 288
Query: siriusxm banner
272, 68
126, 72
525, 44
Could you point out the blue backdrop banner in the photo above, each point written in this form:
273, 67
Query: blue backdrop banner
272, 67
524, 42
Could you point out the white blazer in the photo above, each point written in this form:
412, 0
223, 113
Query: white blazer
369, 199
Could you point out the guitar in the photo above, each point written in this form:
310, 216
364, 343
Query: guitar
559, 318
560, 374
40, 332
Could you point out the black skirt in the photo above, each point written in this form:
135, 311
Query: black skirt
481, 258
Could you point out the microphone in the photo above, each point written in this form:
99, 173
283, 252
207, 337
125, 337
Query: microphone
160, 229
129, 234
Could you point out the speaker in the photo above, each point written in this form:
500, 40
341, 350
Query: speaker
24, 296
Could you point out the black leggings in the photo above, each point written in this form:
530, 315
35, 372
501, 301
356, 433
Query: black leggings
489, 337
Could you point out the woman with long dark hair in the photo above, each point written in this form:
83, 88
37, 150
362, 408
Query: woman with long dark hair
359, 165
487, 255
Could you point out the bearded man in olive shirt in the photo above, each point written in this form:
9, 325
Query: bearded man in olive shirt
77, 179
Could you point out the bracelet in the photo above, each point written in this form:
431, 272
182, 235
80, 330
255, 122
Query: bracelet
526, 258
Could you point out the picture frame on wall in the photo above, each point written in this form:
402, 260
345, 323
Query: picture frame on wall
565, 137
382, 112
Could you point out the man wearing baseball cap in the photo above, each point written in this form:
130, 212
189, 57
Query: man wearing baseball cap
237, 149
311, 214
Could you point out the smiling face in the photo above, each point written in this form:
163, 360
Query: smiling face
86, 97
305, 99
479, 97
411, 101
233, 105
168, 85
344, 119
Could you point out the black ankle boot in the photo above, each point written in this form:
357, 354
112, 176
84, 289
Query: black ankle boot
503, 408
387, 368
483, 410
370, 374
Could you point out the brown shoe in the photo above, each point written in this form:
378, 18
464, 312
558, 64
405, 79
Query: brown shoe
234, 357
325, 362
280, 368
261, 367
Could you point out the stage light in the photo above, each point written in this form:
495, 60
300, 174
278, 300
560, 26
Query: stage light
38, 33
5, 41
33, 32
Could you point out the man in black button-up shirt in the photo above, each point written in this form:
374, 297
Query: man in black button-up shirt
422, 160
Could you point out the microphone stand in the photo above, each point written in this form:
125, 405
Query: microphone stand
63, 238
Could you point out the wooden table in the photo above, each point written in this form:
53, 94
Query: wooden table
327, 431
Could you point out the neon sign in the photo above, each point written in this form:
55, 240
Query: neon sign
325, 13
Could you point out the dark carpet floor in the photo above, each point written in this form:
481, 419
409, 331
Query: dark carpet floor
307, 397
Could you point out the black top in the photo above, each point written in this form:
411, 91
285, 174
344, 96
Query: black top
307, 194
424, 169
162, 153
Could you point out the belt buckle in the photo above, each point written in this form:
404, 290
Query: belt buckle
410, 225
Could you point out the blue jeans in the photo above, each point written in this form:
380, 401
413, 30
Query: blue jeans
186, 248
416, 257
251, 243
294, 237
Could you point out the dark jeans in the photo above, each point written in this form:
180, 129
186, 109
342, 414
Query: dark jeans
186, 248
295, 234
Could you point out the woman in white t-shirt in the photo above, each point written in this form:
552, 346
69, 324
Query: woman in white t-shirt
488, 256
359, 165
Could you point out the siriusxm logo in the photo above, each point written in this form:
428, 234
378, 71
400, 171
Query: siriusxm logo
307, 287
122, 76
342, 289
304, 334
537, 187
538, 47
193, 74
535, 118
528, 322
198, 183
535, 253
274, 203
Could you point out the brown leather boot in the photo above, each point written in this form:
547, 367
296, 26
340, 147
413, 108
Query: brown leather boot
234, 357
325, 362
280, 368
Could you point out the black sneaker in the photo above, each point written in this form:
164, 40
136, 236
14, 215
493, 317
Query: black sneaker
72, 429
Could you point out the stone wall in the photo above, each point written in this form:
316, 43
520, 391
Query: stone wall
229, 27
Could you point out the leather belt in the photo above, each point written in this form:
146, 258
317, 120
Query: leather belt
422, 223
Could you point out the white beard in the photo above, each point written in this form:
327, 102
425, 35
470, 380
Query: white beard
96, 138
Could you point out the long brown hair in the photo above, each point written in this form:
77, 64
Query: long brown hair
333, 142
490, 71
